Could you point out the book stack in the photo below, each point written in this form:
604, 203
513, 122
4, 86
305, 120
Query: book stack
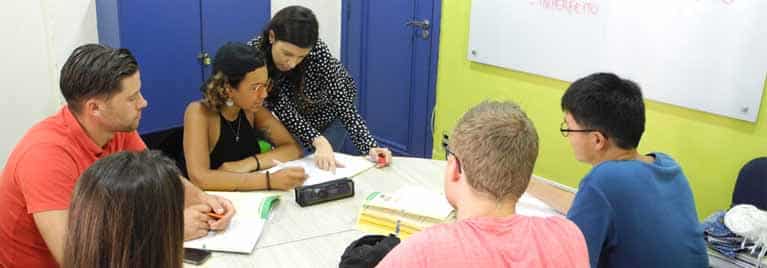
405, 212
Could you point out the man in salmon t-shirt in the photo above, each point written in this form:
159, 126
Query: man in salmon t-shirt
490, 159
104, 102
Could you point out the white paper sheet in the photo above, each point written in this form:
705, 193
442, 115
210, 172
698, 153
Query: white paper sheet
353, 165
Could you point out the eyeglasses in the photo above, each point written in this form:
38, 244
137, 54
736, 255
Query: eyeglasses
267, 86
448, 151
566, 131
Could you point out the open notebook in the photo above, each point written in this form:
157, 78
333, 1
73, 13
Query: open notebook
245, 229
415, 208
353, 165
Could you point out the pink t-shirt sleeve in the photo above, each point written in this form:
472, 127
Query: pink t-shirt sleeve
409, 253
46, 176
571, 247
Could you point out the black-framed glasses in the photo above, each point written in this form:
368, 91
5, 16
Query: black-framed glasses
448, 152
566, 131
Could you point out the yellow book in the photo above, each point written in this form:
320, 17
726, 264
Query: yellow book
407, 211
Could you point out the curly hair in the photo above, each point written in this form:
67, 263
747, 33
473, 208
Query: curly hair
232, 63
214, 91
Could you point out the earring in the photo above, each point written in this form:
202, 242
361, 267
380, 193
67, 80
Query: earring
229, 102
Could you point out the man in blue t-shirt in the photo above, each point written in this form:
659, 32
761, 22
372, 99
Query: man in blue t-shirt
634, 210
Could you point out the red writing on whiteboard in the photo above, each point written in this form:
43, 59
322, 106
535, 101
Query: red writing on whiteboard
726, 2
574, 7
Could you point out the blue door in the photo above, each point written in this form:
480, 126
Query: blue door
167, 37
164, 37
231, 20
390, 48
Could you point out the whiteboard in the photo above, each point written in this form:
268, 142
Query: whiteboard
707, 55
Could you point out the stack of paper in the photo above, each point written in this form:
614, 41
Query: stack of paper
245, 229
352, 165
408, 210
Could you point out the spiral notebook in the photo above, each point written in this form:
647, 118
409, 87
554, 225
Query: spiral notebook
245, 229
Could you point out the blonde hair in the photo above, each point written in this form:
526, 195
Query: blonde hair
497, 146
214, 92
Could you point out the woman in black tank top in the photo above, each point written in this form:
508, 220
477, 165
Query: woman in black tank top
228, 135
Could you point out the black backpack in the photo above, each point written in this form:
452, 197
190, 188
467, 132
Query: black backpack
367, 251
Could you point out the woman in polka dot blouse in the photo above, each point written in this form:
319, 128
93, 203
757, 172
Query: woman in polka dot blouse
314, 96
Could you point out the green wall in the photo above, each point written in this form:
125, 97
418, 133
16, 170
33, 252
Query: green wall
711, 149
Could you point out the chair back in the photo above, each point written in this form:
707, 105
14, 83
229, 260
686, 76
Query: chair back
751, 186
170, 142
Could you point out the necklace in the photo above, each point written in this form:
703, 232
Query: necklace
235, 132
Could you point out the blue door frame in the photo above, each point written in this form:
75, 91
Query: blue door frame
352, 25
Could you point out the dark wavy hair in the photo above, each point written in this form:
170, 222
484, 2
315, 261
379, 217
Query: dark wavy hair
94, 70
127, 211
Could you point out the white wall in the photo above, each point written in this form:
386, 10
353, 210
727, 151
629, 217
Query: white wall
328, 14
41, 34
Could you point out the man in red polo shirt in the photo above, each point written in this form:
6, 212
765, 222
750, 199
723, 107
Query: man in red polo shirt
104, 103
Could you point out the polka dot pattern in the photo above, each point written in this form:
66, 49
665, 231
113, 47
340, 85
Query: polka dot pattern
329, 94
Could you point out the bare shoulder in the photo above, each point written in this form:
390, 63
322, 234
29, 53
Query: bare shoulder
197, 109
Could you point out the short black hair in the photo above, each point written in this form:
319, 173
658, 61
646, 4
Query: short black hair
94, 70
610, 104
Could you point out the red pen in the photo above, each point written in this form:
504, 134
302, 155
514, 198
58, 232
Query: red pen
215, 216
381, 159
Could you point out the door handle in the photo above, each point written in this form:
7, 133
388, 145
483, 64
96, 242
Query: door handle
423, 24
204, 58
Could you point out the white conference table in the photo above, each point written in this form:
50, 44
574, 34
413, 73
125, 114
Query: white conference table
316, 236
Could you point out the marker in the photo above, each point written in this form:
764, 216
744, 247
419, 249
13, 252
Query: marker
215, 216
381, 159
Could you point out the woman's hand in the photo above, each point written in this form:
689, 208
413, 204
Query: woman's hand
287, 178
196, 221
324, 157
381, 156
220, 206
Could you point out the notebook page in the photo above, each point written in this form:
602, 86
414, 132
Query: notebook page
245, 228
241, 236
353, 165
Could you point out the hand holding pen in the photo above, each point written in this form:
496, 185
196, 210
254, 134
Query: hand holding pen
381, 156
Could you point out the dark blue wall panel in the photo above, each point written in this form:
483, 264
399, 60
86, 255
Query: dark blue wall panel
231, 20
